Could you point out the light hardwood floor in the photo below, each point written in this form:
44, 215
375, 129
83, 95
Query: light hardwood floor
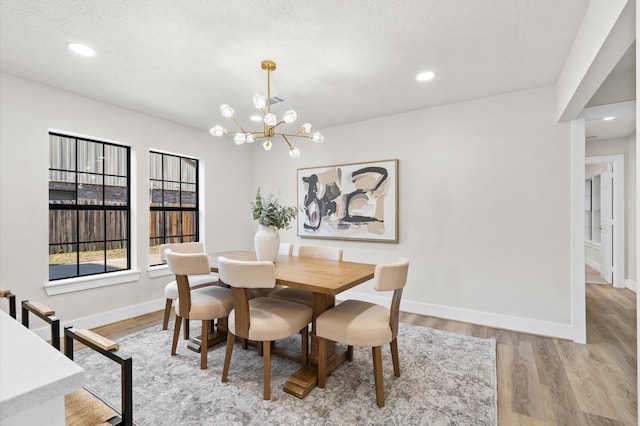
544, 381
592, 276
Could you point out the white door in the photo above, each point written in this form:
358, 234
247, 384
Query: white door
606, 224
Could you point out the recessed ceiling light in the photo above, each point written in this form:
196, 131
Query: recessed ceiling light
256, 118
81, 49
608, 118
425, 76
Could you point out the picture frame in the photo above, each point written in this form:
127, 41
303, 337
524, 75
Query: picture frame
353, 201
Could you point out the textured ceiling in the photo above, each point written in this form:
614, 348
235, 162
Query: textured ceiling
337, 61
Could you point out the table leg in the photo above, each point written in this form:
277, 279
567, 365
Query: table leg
306, 378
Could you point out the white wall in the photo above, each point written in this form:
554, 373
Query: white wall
484, 206
28, 111
632, 208
626, 147
485, 227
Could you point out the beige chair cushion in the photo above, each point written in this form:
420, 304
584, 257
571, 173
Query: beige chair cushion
320, 252
246, 274
188, 263
208, 302
293, 295
285, 249
303, 296
192, 247
392, 276
273, 319
355, 323
254, 293
171, 289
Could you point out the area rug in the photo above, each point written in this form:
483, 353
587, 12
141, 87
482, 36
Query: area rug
446, 379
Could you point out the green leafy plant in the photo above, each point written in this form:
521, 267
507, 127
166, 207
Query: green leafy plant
269, 212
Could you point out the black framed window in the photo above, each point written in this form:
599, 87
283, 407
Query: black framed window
89, 207
173, 202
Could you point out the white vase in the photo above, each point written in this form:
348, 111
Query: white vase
267, 243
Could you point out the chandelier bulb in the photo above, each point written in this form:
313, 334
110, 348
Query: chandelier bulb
226, 110
270, 119
290, 116
263, 104
217, 131
259, 101
240, 138
294, 152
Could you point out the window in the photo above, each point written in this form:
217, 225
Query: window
89, 215
173, 200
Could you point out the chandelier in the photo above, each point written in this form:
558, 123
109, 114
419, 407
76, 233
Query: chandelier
270, 122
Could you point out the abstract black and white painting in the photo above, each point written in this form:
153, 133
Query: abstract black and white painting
357, 201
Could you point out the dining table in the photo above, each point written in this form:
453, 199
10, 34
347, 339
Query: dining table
325, 279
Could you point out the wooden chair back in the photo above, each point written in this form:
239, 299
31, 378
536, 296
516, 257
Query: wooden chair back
241, 276
392, 276
183, 265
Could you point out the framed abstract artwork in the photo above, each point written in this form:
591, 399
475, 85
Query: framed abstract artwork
357, 201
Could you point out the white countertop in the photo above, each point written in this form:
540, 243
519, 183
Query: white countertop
32, 371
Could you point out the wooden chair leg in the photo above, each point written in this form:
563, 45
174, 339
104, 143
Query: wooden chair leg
176, 334
167, 313
266, 369
322, 362
186, 329
349, 353
394, 357
260, 349
204, 345
377, 375
227, 356
305, 346
245, 344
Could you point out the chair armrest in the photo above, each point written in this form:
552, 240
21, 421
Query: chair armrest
98, 340
101, 345
6, 293
45, 314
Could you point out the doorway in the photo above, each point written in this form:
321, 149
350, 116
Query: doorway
604, 217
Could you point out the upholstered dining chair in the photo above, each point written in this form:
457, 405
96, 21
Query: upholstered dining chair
303, 296
171, 289
204, 304
262, 319
358, 323
285, 249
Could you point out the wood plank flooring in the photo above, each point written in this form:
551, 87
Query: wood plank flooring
592, 276
543, 381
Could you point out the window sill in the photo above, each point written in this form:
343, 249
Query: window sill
70, 285
158, 271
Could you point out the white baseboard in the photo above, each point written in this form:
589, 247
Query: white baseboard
507, 322
105, 317
592, 263
631, 285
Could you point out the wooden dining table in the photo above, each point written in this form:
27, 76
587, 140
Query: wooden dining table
325, 279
